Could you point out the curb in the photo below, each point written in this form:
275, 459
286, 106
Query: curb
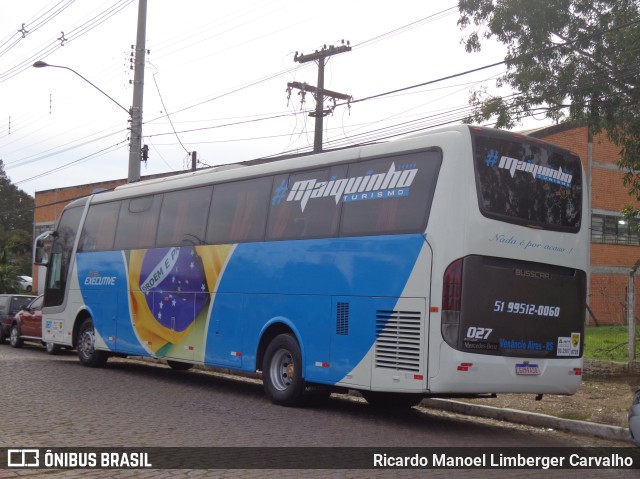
602, 431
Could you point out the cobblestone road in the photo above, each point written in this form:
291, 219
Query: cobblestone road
52, 401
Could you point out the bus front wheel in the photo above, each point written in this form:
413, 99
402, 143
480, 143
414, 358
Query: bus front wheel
87, 352
282, 371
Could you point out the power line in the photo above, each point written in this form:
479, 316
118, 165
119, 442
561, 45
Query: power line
255, 120
49, 153
408, 26
28, 27
66, 165
72, 35
167, 112
357, 100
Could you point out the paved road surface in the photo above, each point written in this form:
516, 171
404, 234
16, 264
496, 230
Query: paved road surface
52, 401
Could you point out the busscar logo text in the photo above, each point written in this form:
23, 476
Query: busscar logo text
527, 273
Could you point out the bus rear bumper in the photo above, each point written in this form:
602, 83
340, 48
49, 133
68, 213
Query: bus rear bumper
485, 374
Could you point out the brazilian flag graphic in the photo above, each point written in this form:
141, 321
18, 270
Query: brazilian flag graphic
170, 297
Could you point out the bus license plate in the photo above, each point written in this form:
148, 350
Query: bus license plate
527, 370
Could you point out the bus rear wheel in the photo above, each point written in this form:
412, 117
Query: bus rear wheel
87, 352
282, 371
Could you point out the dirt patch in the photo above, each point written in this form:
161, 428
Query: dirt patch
603, 400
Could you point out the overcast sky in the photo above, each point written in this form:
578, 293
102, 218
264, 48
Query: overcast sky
218, 71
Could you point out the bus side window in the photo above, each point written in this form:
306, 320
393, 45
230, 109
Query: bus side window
100, 227
303, 205
183, 217
395, 194
137, 222
239, 211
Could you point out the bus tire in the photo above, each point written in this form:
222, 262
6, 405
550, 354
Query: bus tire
179, 366
384, 400
14, 337
86, 345
282, 371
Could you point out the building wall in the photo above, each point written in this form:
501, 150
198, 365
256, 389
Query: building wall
50, 203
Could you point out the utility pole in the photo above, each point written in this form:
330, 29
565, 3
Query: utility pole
138, 87
319, 91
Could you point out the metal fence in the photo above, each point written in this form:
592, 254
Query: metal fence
613, 303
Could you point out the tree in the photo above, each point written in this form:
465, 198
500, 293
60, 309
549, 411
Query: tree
16, 226
16, 206
571, 60
8, 275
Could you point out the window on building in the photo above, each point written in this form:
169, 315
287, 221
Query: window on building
612, 229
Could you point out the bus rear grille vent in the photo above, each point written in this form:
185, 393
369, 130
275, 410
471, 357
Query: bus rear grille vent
342, 319
398, 340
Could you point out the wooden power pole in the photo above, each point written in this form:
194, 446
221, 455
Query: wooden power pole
319, 91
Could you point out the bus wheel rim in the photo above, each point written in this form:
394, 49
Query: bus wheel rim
87, 343
282, 369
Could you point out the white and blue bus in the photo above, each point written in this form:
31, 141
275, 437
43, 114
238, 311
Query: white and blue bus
448, 263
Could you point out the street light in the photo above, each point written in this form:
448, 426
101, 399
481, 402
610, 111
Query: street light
41, 64
134, 114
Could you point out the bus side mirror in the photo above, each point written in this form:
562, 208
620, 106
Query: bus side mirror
40, 255
41, 248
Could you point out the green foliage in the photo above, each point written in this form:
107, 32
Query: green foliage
16, 226
608, 343
8, 279
571, 60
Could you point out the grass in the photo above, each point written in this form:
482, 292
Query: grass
608, 343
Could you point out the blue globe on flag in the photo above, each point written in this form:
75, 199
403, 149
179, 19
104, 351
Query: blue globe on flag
174, 285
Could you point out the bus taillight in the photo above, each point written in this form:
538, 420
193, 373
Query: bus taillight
451, 302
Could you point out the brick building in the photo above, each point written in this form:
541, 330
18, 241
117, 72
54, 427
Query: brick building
615, 244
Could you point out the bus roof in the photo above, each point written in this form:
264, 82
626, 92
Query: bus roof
235, 171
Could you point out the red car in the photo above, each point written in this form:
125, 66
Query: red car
27, 325
10, 305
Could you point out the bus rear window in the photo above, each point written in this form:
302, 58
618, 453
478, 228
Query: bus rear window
527, 183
